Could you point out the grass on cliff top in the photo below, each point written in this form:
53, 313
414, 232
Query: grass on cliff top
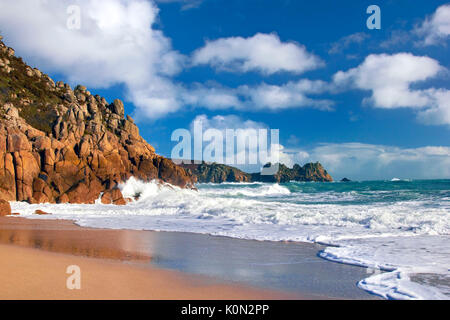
39, 113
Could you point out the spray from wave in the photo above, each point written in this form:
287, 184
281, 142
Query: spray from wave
400, 226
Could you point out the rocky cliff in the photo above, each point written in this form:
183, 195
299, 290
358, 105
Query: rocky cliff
309, 172
218, 173
63, 145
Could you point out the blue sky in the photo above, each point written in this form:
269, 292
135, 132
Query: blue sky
192, 50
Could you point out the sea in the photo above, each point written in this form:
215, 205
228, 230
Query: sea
399, 227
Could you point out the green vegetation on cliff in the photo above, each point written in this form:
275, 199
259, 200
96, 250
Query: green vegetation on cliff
63, 145
216, 173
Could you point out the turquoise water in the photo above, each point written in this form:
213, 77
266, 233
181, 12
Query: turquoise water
348, 193
400, 226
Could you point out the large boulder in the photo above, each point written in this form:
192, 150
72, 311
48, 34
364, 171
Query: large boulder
118, 108
5, 208
113, 196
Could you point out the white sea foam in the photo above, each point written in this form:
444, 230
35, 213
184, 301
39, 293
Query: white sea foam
266, 190
398, 179
406, 237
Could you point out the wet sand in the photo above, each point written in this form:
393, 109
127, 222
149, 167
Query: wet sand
35, 254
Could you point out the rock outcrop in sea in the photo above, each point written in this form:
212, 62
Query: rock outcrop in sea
62, 145
219, 173
216, 173
309, 172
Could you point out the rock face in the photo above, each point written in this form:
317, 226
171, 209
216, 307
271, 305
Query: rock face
63, 145
113, 196
5, 208
218, 173
309, 172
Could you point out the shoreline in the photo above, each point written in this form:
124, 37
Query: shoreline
35, 268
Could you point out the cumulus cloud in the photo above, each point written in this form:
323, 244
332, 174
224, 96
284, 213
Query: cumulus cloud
294, 94
439, 113
264, 53
211, 96
289, 95
435, 28
357, 161
360, 161
117, 44
390, 79
243, 132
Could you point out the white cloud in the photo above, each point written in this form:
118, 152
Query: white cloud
289, 95
261, 97
390, 79
357, 161
262, 52
223, 122
212, 96
243, 129
439, 113
435, 28
185, 4
397, 38
367, 161
345, 42
116, 44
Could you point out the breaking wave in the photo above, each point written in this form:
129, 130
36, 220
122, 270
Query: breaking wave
398, 226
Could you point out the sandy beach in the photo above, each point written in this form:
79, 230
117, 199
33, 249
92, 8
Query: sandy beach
34, 266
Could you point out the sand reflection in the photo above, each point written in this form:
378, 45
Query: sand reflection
65, 237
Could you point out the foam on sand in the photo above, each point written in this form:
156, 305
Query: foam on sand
402, 228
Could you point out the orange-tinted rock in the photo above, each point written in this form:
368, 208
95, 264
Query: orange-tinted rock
113, 196
82, 193
42, 143
7, 177
63, 199
5, 208
57, 146
41, 213
120, 202
39, 197
39, 185
18, 142
26, 168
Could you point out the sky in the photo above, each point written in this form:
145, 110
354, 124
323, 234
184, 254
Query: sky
366, 103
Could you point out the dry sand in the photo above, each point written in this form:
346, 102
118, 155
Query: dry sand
35, 254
